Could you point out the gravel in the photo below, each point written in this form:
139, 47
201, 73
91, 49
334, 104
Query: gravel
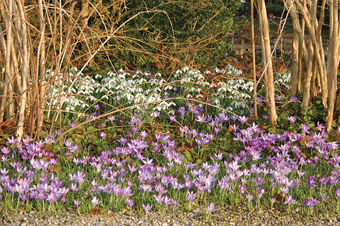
240, 216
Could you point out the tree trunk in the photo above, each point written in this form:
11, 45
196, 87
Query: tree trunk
7, 86
42, 85
311, 23
24, 70
333, 60
253, 57
295, 64
266, 50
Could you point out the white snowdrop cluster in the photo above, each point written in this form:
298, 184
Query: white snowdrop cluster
131, 89
283, 79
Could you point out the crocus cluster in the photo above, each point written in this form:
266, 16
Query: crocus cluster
148, 171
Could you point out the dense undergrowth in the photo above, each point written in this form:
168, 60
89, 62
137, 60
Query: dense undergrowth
141, 141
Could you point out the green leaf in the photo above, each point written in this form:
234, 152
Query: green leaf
304, 112
306, 118
296, 106
311, 124
208, 147
187, 140
272, 130
91, 128
333, 132
78, 138
188, 155
42, 134
113, 135
334, 124
92, 138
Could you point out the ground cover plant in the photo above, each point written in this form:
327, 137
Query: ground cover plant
169, 152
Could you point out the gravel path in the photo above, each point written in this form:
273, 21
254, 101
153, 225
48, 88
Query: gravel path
195, 217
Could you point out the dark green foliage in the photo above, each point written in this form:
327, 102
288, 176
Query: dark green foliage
179, 30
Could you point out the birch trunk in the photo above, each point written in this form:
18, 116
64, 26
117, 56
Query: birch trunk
309, 64
253, 57
7, 86
270, 89
295, 64
42, 86
24, 70
312, 35
333, 60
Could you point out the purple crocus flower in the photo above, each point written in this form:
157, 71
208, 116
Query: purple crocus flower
324, 196
211, 207
181, 110
147, 207
175, 203
199, 141
333, 180
173, 118
293, 99
201, 118
158, 198
77, 202
292, 119
95, 201
305, 128
320, 126
272, 201
337, 192
191, 196
129, 202
259, 181
243, 119
290, 200
324, 180
12, 140
311, 203
145, 188
144, 134
72, 125
242, 188
314, 201
285, 190
24, 197
111, 118
5, 150
103, 134
167, 201
74, 187
301, 173
249, 197
311, 182
63, 199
